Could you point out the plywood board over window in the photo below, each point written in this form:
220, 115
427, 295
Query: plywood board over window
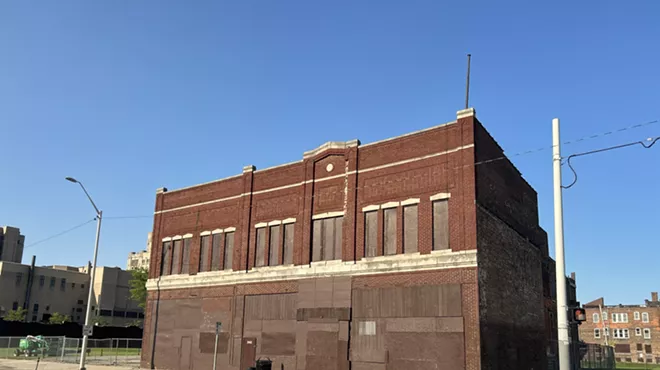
274, 253
288, 243
205, 246
410, 228
229, 250
327, 239
176, 257
371, 233
260, 257
389, 231
167, 257
440, 225
215, 256
185, 256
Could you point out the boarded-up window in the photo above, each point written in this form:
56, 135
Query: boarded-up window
215, 253
639, 346
648, 348
327, 239
260, 258
622, 348
371, 233
204, 253
176, 257
288, 244
410, 229
165, 265
274, 252
229, 250
440, 225
317, 240
185, 256
207, 342
278, 344
389, 231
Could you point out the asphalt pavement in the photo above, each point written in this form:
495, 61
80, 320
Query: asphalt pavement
10, 364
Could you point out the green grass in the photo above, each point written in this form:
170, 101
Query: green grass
114, 351
624, 365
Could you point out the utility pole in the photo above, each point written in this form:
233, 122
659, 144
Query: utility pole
88, 328
218, 328
560, 270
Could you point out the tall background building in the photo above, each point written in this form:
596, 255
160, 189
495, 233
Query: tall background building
137, 260
11, 244
44, 290
632, 329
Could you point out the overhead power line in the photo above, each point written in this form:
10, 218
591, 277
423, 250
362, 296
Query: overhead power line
59, 234
574, 141
505, 156
647, 144
126, 217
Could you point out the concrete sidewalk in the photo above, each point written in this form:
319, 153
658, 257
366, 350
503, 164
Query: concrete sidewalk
6, 364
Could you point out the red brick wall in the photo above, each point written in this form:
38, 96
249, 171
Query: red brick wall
511, 304
503, 191
511, 250
587, 329
419, 165
305, 188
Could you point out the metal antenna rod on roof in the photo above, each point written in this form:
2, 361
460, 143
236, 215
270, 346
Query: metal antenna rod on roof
467, 83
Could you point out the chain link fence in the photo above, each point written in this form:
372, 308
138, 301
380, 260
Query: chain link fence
583, 356
112, 351
596, 356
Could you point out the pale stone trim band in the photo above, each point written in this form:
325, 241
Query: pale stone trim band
328, 215
440, 196
366, 266
387, 165
410, 201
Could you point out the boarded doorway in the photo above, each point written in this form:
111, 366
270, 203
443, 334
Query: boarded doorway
186, 345
248, 352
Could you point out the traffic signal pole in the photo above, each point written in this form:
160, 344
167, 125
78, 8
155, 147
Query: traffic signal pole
560, 270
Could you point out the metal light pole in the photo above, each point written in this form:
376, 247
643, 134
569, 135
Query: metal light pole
218, 327
560, 269
88, 314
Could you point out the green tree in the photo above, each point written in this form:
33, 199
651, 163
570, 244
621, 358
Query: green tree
136, 322
16, 315
138, 286
100, 321
58, 318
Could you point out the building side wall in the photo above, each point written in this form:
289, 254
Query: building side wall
511, 302
515, 296
502, 190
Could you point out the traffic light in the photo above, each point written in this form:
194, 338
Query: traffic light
579, 315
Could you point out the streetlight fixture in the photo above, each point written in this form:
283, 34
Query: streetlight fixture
87, 328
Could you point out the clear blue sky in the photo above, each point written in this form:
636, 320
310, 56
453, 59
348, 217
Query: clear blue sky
129, 96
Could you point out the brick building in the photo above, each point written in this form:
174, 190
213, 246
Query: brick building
633, 330
399, 254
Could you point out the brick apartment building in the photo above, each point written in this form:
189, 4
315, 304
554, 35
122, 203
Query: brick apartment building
399, 254
633, 330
